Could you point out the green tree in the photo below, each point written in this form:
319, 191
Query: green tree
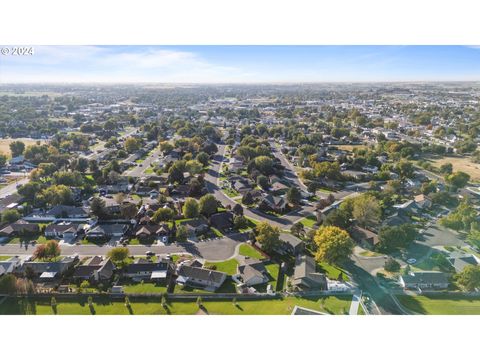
3, 160
298, 229
97, 207
264, 164
458, 179
17, 148
52, 249
10, 216
191, 208
391, 265
118, 255
132, 144
268, 236
8, 284
395, 237
208, 205
203, 158
240, 222
469, 278
194, 167
366, 210
294, 196
333, 244
182, 233
163, 214
446, 168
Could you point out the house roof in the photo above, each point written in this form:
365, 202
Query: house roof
305, 272
61, 210
290, 239
62, 227
222, 220
361, 234
460, 260
147, 267
196, 273
425, 277
20, 226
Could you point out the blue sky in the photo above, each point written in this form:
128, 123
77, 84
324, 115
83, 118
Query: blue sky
242, 64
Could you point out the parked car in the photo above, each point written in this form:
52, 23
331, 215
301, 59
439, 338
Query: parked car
150, 253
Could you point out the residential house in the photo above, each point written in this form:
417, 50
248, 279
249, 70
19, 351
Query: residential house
273, 203
364, 237
96, 269
291, 244
424, 280
222, 220
19, 228
195, 226
9, 266
67, 211
201, 278
305, 276
461, 260
252, 272
106, 231
67, 231
47, 271
152, 230
142, 269
423, 201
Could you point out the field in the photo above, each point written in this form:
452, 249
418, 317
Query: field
5, 144
464, 164
227, 266
248, 250
442, 304
350, 147
328, 304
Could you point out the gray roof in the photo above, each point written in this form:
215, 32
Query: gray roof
61, 210
305, 274
291, 239
425, 277
460, 260
195, 273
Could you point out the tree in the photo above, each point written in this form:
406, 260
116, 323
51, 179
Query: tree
395, 237
8, 284
175, 174
132, 144
264, 164
10, 216
85, 284
294, 196
457, 179
469, 278
247, 198
297, 229
208, 205
163, 214
128, 210
334, 244
191, 208
52, 249
366, 210
237, 209
182, 233
55, 195
40, 252
262, 181
17, 148
97, 207
194, 167
118, 255
240, 222
3, 160
203, 158
391, 265
405, 169
166, 147
446, 168
338, 217
268, 236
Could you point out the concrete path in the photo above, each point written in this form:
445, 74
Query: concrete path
357, 296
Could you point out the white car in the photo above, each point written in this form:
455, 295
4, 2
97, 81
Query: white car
411, 261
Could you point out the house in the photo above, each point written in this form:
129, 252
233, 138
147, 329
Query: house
252, 272
106, 231
241, 187
305, 276
67, 211
364, 237
113, 189
273, 203
195, 226
396, 219
424, 280
20, 227
142, 269
235, 163
461, 260
291, 244
423, 201
222, 221
47, 271
8, 266
95, 269
64, 230
199, 277
277, 186
152, 231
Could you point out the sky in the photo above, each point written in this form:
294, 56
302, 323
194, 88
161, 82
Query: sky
242, 64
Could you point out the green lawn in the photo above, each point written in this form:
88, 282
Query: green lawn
227, 266
144, 288
4, 258
217, 232
331, 271
136, 241
250, 251
442, 304
17, 240
328, 304
310, 221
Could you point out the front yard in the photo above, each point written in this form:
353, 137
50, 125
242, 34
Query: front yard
310, 221
227, 266
250, 251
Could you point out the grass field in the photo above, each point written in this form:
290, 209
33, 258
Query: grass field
5, 144
144, 288
442, 304
310, 221
328, 304
228, 266
17, 240
464, 164
248, 250
350, 147
332, 271
4, 258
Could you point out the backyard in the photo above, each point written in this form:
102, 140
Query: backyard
327, 304
442, 304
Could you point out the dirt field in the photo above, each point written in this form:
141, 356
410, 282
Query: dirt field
464, 164
350, 147
5, 144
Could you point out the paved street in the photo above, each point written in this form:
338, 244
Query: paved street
215, 249
12, 188
139, 171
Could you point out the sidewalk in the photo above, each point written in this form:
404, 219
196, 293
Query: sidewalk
357, 296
